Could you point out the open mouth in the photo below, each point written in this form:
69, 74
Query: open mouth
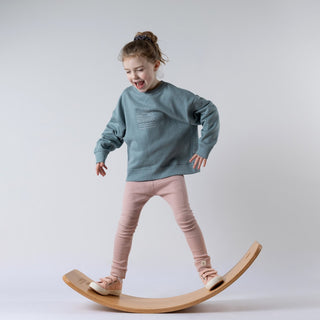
139, 84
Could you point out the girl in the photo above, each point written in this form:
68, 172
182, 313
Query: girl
158, 122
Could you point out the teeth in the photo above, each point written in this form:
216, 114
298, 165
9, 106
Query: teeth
139, 83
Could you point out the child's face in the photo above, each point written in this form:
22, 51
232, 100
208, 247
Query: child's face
141, 73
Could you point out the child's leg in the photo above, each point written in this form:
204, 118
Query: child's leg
174, 191
136, 194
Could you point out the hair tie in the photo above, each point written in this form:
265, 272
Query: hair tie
142, 37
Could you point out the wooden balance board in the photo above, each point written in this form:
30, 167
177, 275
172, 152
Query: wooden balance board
80, 283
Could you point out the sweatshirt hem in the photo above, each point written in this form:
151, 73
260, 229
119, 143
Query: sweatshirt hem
149, 173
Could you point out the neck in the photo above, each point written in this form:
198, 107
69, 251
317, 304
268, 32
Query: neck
156, 84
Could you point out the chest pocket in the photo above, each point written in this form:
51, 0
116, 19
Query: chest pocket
149, 119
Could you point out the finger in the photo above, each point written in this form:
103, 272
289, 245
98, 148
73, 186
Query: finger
196, 162
200, 163
193, 157
204, 162
98, 169
102, 172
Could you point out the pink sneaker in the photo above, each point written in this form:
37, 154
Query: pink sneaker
211, 279
107, 285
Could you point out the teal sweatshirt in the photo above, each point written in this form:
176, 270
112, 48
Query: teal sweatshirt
160, 128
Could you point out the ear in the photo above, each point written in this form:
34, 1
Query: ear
156, 65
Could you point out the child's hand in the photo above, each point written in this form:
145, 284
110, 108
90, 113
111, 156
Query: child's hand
198, 161
100, 168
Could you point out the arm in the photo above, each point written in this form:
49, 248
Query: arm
205, 113
111, 138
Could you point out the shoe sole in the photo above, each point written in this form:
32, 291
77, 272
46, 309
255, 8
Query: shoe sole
214, 283
103, 291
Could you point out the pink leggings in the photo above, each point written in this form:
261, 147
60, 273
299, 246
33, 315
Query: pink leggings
136, 195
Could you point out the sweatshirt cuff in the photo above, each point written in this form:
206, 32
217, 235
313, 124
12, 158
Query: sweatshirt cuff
101, 156
203, 151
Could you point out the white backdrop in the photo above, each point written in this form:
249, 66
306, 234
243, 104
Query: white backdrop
60, 79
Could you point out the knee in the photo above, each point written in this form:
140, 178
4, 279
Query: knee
186, 221
128, 223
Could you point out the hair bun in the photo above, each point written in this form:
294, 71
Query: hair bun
146, 35
144, 44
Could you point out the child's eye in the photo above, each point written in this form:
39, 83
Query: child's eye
140, 70
128, 72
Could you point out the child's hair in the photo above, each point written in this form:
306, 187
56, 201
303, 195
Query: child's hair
144, 45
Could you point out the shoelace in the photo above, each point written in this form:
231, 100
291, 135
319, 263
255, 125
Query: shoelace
108, 280
208, 273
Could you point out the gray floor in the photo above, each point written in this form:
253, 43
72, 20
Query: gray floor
71, 307
242, 300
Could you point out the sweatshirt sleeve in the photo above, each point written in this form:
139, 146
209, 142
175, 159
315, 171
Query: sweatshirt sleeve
206, 114
112, 136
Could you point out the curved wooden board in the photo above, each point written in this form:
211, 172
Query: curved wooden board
80, 283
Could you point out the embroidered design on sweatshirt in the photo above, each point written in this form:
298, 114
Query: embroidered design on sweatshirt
148, 119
